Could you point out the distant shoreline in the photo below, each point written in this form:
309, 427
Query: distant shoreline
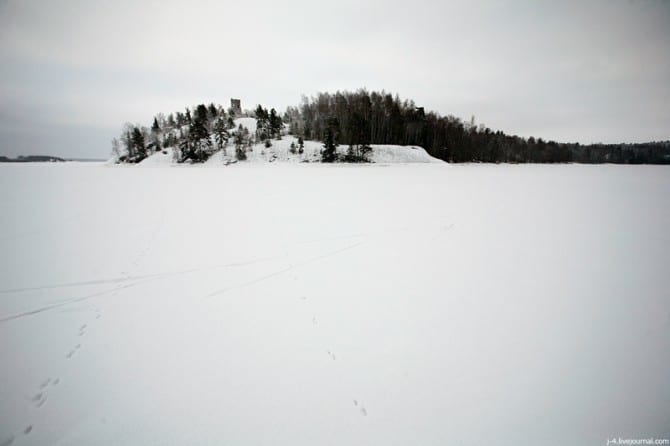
46, 158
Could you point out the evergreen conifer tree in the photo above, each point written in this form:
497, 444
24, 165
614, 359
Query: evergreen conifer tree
275, 124
262, 123
213, 112
328, 155
221, 134
138, 144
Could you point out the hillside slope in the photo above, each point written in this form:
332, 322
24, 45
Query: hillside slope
280, 151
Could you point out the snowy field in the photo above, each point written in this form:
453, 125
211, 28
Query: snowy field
307, 304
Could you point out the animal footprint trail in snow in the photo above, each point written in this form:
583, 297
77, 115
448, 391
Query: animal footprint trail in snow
39, 399
364, 411
71, 353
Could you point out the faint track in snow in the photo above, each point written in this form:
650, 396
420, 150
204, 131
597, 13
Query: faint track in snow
126, 278
442, 230
121, 279
151, 240
284, 270
367, 235
74, 284
334, 238
136, 280
68, 302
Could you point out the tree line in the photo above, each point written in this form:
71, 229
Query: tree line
360, 118
357, 120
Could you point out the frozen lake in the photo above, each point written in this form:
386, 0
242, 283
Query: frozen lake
347, 305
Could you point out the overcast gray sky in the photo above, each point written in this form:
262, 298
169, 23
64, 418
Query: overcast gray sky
72, 72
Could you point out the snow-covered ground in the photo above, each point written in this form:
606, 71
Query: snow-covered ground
280, 150
304, 304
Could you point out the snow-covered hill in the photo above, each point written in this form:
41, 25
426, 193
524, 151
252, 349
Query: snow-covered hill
164, 157
280, 152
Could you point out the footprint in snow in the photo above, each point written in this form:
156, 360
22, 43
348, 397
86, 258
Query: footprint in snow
363, 409
45, 383
39, 399
73, 351
7, 441
314, 320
